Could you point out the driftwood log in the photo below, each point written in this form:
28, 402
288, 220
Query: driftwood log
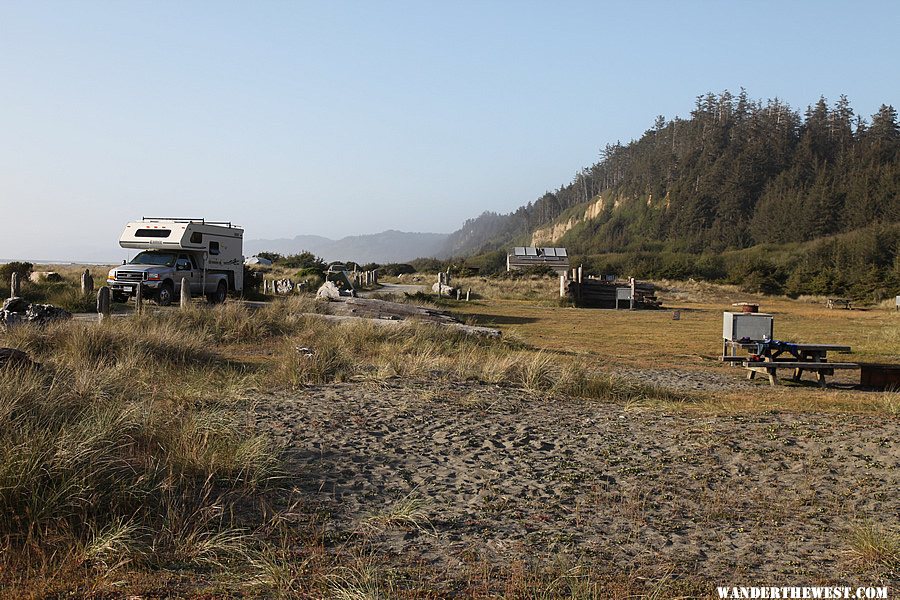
386, 322
384, 312
18, 310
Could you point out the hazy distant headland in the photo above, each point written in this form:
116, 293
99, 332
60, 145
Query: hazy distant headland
385, 247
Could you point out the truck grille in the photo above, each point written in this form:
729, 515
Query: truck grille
129, 275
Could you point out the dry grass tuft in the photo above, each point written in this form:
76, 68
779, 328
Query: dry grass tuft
410, 512
873, 546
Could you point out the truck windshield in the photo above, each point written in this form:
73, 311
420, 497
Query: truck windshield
153, 258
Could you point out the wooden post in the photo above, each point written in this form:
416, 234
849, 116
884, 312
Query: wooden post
468, 291
448, 275
139, 299
562, 286
87, 283
458, 294
14, 285
580, 280
631, 302
103, 304
185, 302
440, 282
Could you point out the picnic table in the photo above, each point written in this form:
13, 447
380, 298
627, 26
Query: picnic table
835, 302
767, 357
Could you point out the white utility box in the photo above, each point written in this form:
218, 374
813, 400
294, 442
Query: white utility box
750, 327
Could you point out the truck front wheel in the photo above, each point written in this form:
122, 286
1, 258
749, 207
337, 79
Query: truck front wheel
218, 297
165, 294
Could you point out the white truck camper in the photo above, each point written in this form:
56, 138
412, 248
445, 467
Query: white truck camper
206, 253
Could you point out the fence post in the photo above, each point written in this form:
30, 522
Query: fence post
458, 293
103, 304
440, 282
562, 286
631, 304
468, 291
185, 294
14, 285
139, 299
87, 283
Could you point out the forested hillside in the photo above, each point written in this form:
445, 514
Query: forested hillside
736, 174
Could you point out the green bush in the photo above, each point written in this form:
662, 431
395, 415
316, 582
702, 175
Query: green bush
303, 260
394, 269
311, 272
532, 271
24, 269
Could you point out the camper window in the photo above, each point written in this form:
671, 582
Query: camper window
197, 237
214, 248
152, 233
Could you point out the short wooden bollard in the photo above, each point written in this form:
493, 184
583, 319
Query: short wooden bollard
87, 283
185, 294
468, 291
459, 294
139, 299
14, 285
103, 304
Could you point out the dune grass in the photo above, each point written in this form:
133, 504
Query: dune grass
64, 293
130, 453
128, 448
124, 449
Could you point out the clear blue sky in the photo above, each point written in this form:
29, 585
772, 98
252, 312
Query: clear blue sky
337, 118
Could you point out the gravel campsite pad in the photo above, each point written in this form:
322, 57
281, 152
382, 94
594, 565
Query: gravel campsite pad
499, 474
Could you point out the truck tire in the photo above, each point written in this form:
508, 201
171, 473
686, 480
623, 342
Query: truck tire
218, 297
166, 294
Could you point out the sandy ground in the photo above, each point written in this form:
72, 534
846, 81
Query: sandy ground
498, 474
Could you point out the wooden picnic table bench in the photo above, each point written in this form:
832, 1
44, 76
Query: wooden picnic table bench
770, 368
766, 359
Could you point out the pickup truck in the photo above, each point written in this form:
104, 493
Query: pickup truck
159, 273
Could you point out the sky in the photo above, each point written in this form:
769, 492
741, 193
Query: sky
340, 118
